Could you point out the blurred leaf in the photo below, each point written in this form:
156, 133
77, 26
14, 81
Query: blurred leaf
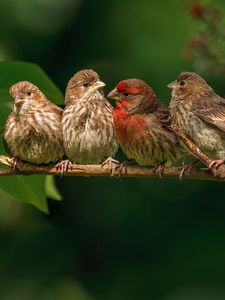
51, 188
28, 189
14, 71
9, 207
67, 289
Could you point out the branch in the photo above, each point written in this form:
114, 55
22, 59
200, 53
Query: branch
219, 172
24, 168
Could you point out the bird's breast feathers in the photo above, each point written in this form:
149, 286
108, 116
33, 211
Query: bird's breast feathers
129, 127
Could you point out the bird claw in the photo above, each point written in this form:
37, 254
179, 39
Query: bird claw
63, 166
121, 168
110, 162
215, 164
185, 169
160, 169
13, 162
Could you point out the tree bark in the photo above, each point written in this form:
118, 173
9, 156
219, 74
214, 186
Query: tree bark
23, 168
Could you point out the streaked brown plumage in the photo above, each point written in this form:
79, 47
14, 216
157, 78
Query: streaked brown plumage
33, 129
87, 122
200, 113
142, 125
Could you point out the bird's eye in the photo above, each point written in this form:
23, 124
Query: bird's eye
182, 82
29, 94
85, 84
126, 94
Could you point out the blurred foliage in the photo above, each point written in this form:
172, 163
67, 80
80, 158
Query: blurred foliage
208, 44
112, 239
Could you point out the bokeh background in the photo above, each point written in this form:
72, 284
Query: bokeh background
112, 239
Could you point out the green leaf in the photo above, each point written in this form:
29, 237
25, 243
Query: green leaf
51, 188
28, 189
14, 71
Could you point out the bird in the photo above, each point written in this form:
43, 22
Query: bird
32, 132
199, 112
142, 125
87, 121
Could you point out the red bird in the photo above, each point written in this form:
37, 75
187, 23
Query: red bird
142, 125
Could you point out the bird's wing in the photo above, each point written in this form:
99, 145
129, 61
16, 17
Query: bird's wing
211, 110
162, 114
6, 146
4, 141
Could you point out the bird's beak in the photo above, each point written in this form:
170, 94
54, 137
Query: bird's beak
18, 100
172, 85
99, 84
114, 95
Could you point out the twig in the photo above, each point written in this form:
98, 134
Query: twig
220, 172
24, 168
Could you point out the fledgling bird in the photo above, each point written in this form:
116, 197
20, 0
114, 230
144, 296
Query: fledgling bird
200, 113
142, 125
32, 132
87, 122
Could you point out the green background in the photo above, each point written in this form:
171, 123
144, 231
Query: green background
111, 239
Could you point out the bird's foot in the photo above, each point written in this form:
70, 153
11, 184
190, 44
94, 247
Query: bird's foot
214, 166
121, 169
110, 163
187, 168
159, 169
216, 163
63, 166
13, 161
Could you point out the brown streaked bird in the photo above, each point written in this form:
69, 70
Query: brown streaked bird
32, 132
142, 125
200, 113
87, 122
